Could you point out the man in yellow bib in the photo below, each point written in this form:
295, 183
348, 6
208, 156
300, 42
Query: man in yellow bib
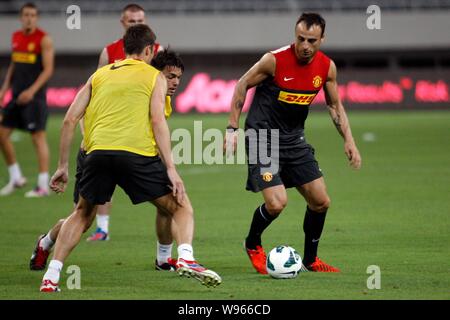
171, 65
127, 142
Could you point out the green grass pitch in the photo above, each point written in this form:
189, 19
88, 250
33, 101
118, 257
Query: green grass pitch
393, 213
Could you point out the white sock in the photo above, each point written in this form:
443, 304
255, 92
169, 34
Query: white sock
186, 252
43, 180
163, 253
14, 172
103, 222
46, 242
53, 271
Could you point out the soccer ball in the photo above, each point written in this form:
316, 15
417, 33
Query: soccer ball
283, 262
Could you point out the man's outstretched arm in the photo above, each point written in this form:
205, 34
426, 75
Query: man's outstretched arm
264, 68
339, 117
162, 136
76, 111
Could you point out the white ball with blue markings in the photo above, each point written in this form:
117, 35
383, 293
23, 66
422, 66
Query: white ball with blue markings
283, 262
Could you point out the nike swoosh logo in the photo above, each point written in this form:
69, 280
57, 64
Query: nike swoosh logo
287, 79
315, 240
113, 67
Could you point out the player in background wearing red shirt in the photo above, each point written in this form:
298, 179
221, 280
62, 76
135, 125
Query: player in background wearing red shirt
131, 14
31, 66
287, 81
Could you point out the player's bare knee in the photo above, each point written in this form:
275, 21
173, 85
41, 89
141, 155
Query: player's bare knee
4, 136
88, 219
275, 206
35, 137
322, 205
187, 209
38, 138
86, 212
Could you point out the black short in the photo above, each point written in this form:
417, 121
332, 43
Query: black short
142, 178
80, 160
31, 117
296, 167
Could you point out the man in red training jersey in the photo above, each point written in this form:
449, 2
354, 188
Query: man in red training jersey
287, 81
31, 66
132, 14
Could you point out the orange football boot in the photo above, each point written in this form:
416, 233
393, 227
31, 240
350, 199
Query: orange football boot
320, 266
258, 258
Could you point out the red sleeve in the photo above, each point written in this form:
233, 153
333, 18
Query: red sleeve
14, 40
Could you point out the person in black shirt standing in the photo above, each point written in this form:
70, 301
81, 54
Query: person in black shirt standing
31, 67
287, 81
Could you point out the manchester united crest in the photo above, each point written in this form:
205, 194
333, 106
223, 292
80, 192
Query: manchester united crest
267, 176
31, 46
317, 81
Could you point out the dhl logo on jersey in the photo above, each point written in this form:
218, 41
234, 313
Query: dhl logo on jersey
304, 99
24, 57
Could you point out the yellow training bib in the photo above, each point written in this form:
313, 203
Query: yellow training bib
118, 115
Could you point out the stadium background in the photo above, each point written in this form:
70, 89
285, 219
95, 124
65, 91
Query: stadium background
403, 190
403, 65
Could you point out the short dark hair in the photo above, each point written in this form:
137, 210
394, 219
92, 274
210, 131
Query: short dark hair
137, 38
167, 58
133, 7
28, 5
310, 19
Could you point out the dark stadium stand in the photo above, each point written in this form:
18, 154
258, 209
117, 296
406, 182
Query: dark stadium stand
228, 6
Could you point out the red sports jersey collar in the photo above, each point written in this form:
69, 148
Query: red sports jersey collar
292, 46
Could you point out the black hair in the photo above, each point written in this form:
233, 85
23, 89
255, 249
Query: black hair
29, 5
168, 58
310, 19
137, 38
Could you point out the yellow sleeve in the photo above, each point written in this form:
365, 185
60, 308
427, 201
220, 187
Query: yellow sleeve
168, 107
